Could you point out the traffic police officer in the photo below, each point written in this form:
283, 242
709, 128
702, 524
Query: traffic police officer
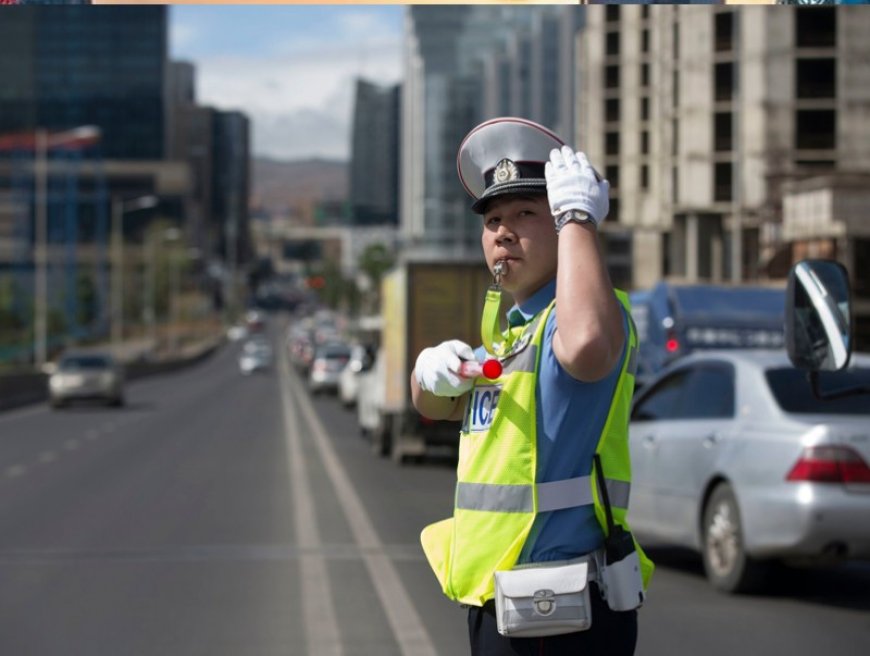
563, 397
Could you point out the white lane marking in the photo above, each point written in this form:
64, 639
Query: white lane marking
321, 625
408, 628
16, 413
71, 444
15, 470
47, 456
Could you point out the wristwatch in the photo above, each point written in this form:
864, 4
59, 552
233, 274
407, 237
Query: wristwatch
573, 216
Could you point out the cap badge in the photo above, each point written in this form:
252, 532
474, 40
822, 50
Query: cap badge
506, 171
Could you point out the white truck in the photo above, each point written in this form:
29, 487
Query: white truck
424, 302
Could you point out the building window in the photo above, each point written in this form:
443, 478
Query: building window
724, 30
722, 177
644, 177
644, 142
613, 213
611, 172
644, 12
612, 15
611, 143
612, 43
722, 123
675, 137
815, 165
611, 110
816, 27
675, 90
644, 108
644, 75
675, 35
611, 76
816, 129
816, 78
723, 82
675, 185
644, 40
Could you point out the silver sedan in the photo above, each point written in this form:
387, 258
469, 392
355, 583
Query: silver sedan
734, 457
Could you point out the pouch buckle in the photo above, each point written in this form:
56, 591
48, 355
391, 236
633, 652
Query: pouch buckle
544, 602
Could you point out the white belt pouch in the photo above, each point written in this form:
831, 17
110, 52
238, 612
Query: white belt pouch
542, 600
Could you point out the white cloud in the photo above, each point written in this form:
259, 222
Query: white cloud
183, 36
299, 97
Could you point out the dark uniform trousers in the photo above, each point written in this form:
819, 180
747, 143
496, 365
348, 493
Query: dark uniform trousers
612, 634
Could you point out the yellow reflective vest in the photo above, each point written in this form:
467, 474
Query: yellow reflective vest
497, 496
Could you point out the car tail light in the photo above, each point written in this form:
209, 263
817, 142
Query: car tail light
672, 345
830, 464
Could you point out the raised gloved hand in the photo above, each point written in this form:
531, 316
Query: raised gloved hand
573, 185
437, 368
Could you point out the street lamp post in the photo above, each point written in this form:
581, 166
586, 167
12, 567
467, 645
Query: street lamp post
173, 235
119, 209
40, 310
81, 136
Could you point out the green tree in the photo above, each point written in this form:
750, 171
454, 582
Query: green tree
86, 301
374, 262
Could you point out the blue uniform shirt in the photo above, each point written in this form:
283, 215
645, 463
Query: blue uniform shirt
571, 415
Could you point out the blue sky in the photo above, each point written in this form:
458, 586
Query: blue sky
290, 68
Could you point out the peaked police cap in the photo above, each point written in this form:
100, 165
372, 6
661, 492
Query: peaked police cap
504, 156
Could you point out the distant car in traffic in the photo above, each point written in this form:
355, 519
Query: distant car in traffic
674, 320
86, 376
326, 366
733, 456
256, 355
236, 333
361, 359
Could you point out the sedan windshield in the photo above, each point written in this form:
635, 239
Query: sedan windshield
793, 392
84, 362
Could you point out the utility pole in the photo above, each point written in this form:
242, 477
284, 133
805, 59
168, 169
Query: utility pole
119, 208
40, 304
117, 273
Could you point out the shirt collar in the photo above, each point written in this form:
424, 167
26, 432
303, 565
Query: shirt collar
523, 312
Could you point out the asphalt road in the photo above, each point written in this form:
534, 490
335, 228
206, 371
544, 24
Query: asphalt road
224, 515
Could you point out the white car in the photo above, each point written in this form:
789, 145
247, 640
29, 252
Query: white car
733, 456
84, 376
361, 360
256, 355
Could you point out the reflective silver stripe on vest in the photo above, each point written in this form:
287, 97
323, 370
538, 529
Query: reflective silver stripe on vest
494, 498
633, 350
524, 361
568, 493
618, 492
632, 361
554, 495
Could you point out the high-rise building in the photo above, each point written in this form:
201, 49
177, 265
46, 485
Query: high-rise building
714, 123
231, 185
374, 165
67, 66
465, 64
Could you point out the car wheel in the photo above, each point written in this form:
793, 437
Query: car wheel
726, 563
381, 437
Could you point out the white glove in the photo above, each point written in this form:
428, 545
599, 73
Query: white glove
573, 185
438, 366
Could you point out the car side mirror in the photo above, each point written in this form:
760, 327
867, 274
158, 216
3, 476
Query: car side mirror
818, 327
